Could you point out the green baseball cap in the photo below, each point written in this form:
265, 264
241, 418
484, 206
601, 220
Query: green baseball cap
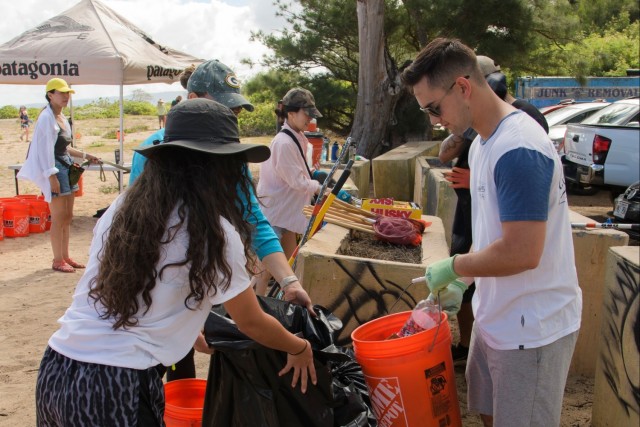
299, 97
219, 81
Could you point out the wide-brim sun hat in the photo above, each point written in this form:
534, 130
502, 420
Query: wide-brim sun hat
205, 126
60, 85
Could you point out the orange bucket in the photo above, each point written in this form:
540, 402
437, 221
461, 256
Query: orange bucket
1, 221
38, 212
315, 138
79, 193
184, 400
411, 380
15, 218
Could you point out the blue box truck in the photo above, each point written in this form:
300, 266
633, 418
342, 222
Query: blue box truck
545, 91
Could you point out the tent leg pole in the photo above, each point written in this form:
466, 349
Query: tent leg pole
121, 139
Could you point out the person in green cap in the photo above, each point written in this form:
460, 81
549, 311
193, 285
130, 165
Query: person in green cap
214, 80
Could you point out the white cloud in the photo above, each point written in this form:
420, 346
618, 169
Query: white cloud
208, 29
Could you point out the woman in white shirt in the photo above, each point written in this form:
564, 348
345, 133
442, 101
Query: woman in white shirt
47, 165
162, 255
286, 183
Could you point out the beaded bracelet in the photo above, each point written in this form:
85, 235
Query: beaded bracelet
301, 351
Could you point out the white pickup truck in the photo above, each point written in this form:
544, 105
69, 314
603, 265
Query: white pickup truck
604, 150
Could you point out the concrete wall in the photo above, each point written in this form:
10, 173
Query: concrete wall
361, 176
616, 402
394, 171
591, 248
357, 290
358, 182
434, 193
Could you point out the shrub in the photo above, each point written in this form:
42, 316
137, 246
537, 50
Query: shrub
9, 112
139, 108
262, 121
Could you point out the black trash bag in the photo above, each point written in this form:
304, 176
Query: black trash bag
350, 392
244, 389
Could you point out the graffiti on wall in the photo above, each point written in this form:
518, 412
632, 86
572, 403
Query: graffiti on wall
620, 351
367, 295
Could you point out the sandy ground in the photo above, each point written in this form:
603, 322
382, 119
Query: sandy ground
33, 297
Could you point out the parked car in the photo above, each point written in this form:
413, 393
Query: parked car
573, 113
564, 103
549, 108
604, 150
626, 207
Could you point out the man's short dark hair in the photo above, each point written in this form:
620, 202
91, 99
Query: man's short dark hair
440, 61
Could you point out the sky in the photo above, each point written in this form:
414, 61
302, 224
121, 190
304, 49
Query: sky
209, 29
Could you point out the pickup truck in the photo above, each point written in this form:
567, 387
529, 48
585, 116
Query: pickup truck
603, 150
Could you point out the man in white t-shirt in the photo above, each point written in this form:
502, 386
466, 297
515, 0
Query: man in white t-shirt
527, 304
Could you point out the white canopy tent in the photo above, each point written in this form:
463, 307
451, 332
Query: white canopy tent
90, 44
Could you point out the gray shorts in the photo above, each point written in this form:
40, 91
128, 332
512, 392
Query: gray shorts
518, 387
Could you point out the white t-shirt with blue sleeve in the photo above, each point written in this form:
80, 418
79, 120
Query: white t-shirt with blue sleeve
516, 175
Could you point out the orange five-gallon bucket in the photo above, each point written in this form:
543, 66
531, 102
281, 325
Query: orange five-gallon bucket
1, 221
38, 212
409, 385
184, 400
15, 217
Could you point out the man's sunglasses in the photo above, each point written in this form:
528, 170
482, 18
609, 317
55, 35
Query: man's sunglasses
434, 110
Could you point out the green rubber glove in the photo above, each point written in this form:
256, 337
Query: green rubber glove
440, 274
450, 298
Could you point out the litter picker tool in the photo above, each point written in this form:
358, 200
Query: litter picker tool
315, 221
275, 290
615, 226
318, 205
117, 166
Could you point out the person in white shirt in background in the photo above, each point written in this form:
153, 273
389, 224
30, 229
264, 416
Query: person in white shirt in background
47, 165
527, 304
286, 183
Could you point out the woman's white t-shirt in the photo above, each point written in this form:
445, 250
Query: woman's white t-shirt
164, 334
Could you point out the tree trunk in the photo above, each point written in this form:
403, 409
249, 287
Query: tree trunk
378, 81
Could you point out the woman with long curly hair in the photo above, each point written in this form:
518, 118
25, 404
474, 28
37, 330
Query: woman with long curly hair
162, 254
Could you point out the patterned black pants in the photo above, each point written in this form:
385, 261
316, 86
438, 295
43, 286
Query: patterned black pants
71, 393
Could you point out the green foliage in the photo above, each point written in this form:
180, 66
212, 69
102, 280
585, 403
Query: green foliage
542, 37
139, 108
33, 112
598, 15
99, 109
334, 98
262, 121
104, 109
601, 54
9, 112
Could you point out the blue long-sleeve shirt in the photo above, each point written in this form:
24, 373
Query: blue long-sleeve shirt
264, 240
